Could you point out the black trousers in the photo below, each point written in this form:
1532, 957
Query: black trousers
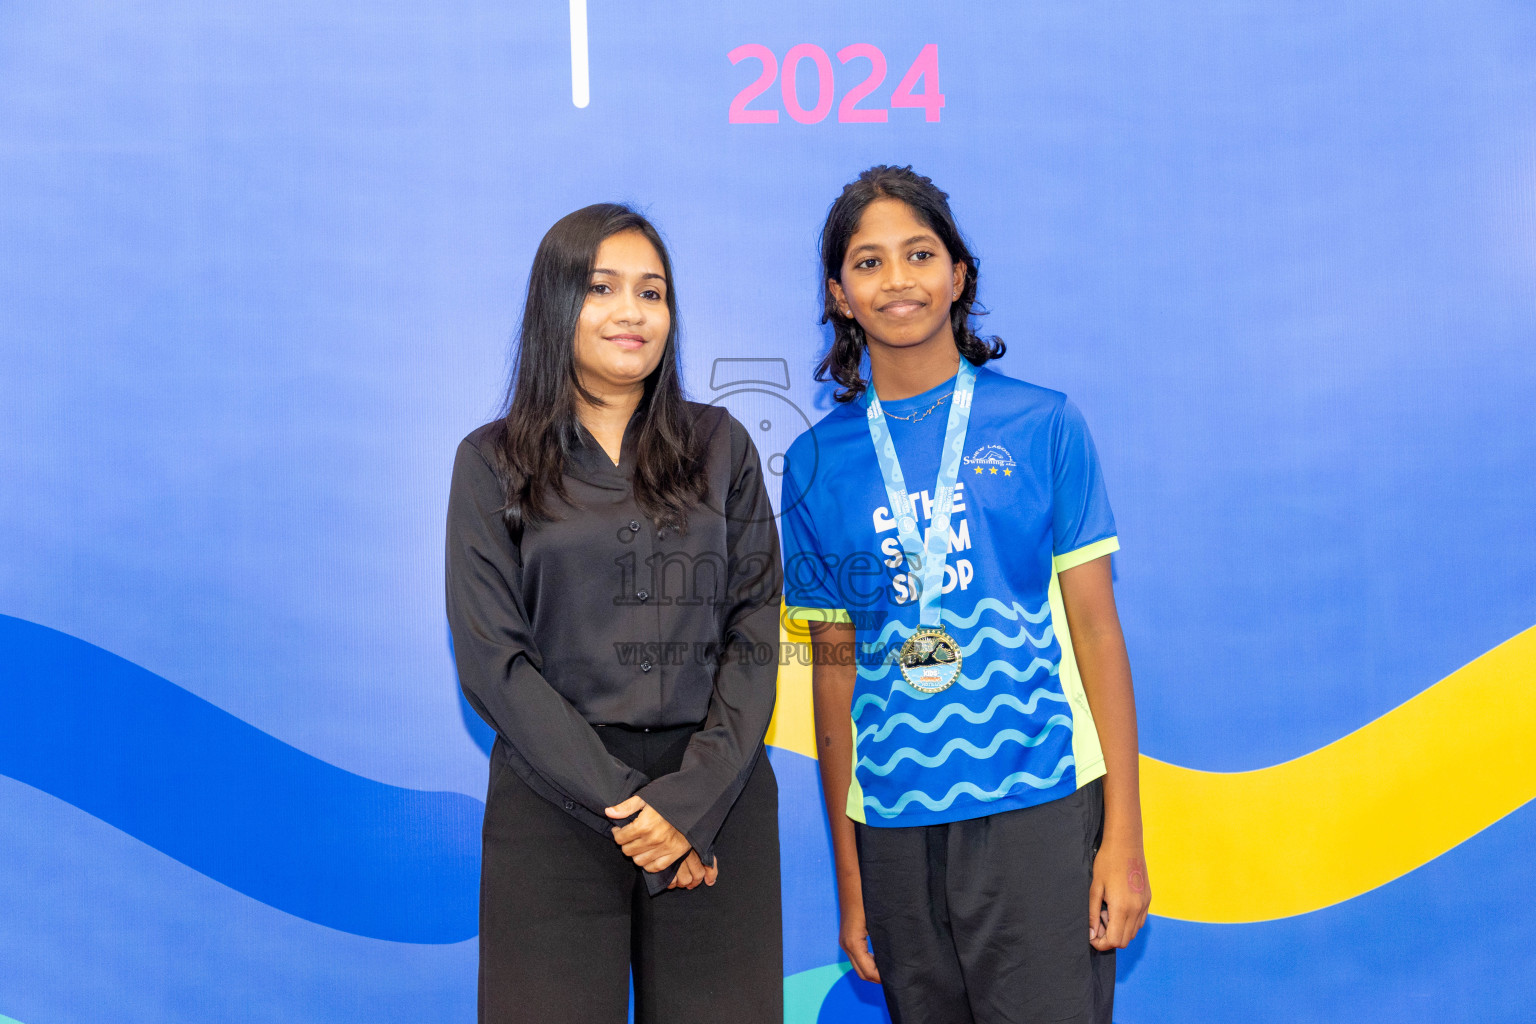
564, 915
985, 921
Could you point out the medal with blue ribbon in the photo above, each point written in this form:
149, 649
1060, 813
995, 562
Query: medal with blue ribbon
930, 658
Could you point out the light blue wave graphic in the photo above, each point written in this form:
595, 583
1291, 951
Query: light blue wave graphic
879, 732
965, 682
232, 802
977, 639
865, 701
1006, 668
1013, 613
988, 633
874, 675
962, 744
893, 628
917, 796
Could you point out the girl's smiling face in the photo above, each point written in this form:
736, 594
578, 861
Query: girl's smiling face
897, 279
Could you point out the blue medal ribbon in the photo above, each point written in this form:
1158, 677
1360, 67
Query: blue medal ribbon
925, 561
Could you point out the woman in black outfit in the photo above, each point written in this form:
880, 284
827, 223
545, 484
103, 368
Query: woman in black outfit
613, 591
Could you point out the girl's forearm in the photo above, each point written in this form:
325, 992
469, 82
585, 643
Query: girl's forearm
1115, 715
832, 683
1099, 645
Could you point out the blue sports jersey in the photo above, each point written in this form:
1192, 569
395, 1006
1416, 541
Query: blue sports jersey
1014, 730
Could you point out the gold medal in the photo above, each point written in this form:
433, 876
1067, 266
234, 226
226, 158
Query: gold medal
930, 660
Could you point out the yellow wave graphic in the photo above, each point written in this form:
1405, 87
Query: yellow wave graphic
1231, 847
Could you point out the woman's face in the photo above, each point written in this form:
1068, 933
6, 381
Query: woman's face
624, 322
897, 280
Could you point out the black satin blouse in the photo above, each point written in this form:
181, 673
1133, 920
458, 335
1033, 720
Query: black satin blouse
599, 618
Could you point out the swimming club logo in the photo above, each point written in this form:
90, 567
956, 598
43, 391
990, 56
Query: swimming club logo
991, 459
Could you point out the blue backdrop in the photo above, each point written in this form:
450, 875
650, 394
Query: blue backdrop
260, 265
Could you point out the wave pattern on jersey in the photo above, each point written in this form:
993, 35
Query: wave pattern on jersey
984, 739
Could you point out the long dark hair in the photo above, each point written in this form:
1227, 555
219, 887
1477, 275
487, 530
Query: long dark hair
541, 430
930, 205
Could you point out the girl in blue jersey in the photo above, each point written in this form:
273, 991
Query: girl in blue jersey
946, 533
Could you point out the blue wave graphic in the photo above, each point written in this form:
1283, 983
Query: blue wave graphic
917, 796
965, 682
880, 732
232, 802
962, 744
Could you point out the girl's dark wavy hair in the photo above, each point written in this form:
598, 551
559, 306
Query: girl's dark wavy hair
540, 430
931, 206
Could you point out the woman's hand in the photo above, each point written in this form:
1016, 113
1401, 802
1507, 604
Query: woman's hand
692, 872
1120, 881
650, 840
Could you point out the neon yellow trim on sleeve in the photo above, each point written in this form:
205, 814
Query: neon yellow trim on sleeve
1086, 553
816, 614
1087, 754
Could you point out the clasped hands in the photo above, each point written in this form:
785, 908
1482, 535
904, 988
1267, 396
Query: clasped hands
653, 844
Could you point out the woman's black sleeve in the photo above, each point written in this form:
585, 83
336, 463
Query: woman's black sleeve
720, 756
551, 746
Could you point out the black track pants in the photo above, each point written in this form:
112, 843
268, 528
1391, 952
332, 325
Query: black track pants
985, 921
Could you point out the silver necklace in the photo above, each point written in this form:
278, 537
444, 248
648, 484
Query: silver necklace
914, 417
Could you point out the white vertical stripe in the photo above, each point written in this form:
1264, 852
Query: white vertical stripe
581, 90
